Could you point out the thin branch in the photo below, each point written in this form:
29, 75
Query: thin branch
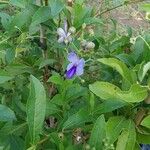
4, 2
110, 9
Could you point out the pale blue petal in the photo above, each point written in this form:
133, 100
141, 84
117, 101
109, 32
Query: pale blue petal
80, 67
65, 26
70, 66
61, 39
72, 57
61, 32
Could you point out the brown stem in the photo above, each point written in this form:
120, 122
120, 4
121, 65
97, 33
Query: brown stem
147, 100
70, 2
139, 116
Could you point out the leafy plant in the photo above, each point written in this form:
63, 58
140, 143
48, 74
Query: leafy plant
71, 80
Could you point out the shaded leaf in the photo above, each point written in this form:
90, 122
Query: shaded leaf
41, 15
120, 67
56, 7
47, 62
4, 77
6, 114
76, 119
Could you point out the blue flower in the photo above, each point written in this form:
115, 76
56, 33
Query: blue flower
64, 35
76, 66
145, 146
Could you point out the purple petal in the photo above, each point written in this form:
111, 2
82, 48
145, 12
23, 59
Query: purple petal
61, 32
80, 67
72, 57
70, 73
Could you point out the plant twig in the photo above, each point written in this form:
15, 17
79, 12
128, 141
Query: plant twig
4, 2
110, 9
139, 116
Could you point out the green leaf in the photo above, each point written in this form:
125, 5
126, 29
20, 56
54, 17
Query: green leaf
47, 62
114, 126
98, 133
56, 79
127, 59
106, 90
56, 7
16, 143
143, 70
146, 122
41, 15
6, 114
52, 108
141, 49
22, 20
18, 3
92, 20
120, 67
109, 106
4, 77
143, 138
127, 139
36, 108
146, 7
5, 20
76, 119
80, 14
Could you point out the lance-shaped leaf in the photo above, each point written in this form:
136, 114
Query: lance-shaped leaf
77, 119
119, 66
36, 108
106, 90
98, 133
127, 139
114, 126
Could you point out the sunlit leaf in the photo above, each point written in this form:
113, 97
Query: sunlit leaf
106, 90
146, 122
36, 108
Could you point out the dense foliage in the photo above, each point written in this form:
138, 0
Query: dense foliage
69, 79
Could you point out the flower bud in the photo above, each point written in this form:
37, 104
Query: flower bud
72, 30
90, 45
83, 43
148, 16
61, 135
91, 31
83, 26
